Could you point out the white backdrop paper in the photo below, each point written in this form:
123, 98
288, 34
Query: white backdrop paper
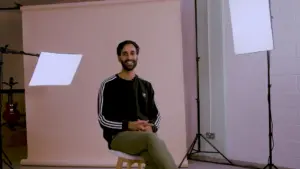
251, 26
55, 69
158, 32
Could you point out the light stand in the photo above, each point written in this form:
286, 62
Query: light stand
270, 164
198, 136
5, 50
6, 161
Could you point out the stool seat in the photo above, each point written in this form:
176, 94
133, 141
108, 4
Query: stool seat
129, 159
126, 156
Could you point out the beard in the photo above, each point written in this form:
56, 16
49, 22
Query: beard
129, 65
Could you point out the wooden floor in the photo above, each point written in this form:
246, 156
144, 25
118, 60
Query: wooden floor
16, 154
193, 165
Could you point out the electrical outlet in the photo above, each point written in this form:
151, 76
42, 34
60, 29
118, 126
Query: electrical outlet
210, 135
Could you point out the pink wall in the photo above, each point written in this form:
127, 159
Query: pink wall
189, 66
286, 82
190, 72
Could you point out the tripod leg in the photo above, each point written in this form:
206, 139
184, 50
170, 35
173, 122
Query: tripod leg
6, 157
189, 151
9, 165
217, 150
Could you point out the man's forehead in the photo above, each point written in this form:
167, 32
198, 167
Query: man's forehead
129, 48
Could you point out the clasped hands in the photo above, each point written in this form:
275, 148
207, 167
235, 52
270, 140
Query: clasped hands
140, 125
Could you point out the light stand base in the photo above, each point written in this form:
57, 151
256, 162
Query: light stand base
192, 151
270, 166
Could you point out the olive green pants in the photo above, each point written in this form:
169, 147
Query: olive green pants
147, 145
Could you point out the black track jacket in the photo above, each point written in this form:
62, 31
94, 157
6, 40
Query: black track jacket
121, 101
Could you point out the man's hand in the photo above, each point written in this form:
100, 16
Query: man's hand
148, 128
138, 125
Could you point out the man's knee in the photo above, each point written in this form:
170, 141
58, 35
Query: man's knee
152, 138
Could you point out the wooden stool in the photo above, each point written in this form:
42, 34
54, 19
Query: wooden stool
129, 159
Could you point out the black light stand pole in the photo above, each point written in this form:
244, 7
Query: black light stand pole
270, 164
198, 136
5, 161
5, 50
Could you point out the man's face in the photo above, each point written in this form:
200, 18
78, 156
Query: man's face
128, 58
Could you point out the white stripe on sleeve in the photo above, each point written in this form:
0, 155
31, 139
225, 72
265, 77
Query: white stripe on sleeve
103, 121
157, 121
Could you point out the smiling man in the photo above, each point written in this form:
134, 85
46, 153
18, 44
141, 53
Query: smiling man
128, 114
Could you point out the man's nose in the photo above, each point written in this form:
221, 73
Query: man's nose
130, 57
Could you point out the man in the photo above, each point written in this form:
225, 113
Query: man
128, 114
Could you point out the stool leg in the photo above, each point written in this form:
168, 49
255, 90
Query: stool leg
119, 163
129, 164
139, 165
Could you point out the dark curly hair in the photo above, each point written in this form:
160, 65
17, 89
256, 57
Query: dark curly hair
126, 42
